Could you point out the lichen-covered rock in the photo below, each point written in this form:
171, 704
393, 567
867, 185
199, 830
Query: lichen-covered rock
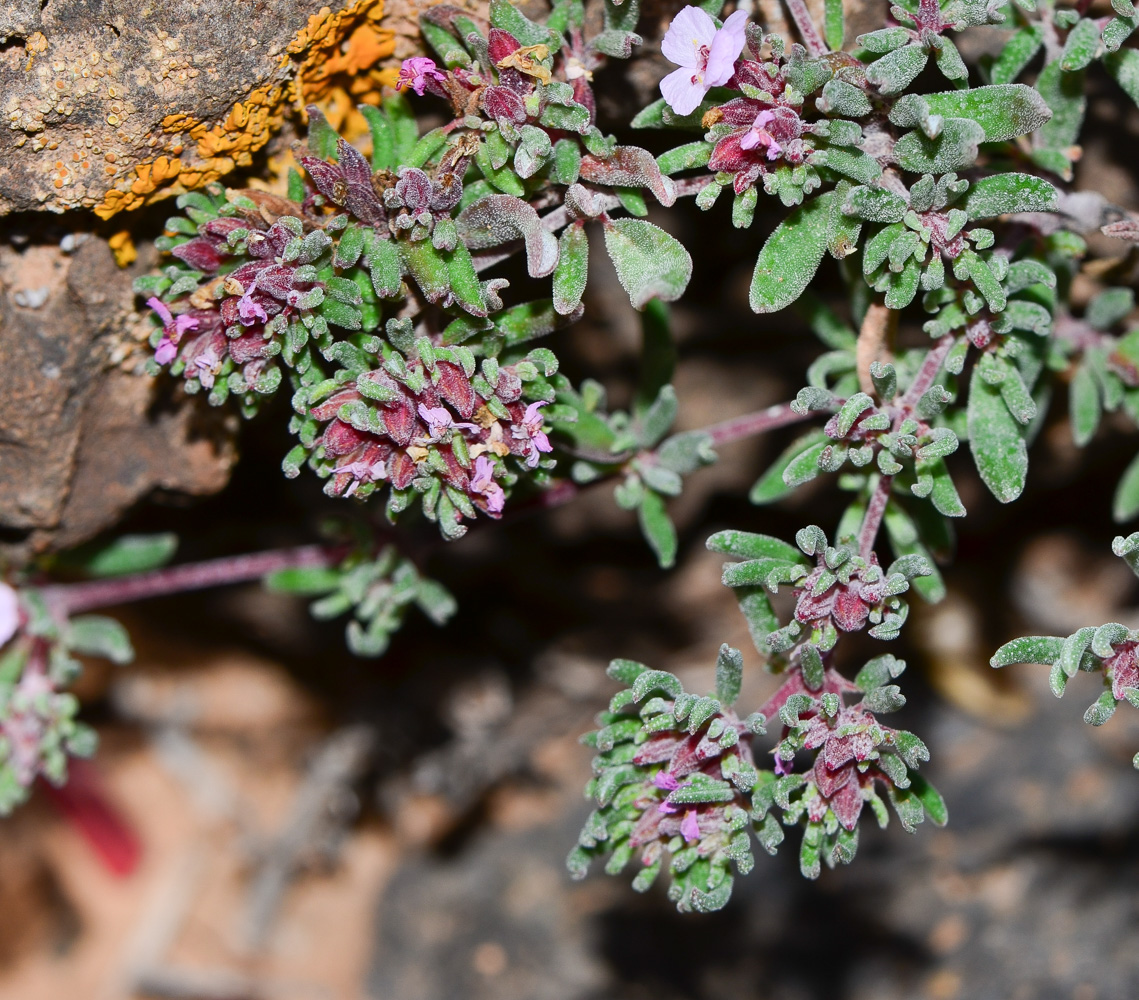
79, 443
110, 105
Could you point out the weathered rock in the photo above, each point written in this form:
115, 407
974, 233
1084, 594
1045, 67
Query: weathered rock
80, 439
110, 103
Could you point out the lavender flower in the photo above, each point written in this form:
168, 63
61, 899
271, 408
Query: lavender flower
416, 72
706, 56
173, 329
483, 482
530, 432
758, 135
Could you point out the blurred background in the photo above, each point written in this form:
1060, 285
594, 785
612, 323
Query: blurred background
269, 817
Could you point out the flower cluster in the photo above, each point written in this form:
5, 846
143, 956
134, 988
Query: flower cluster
431, 424
38, 724
673, 776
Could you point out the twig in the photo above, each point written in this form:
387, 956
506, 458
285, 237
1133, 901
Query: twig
875, 511
812, 40
879, 326
923, 380
754, 423
71, 598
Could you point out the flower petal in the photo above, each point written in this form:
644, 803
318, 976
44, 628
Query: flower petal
725, 49
681, 93
689, 30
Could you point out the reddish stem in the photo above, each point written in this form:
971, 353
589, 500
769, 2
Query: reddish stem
875, 511
812, 40
928, 372
72, 598
754, 423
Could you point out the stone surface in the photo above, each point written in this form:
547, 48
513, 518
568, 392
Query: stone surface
108, 102
80, 438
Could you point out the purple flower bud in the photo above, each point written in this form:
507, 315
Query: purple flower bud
416, 72
483, 482
690, 826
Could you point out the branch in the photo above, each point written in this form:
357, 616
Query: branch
879, 326
754, 423
875, 511
71, 598
812, 40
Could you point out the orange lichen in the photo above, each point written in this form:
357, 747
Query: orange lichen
122, 246
350, 43
333, 61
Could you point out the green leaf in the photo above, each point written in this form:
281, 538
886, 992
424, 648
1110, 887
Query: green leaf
834, 29
771, 486
1080, 46
649, 262
383, 138
128, 554
729, 674
1126, 503
688, 157
791, 256
1042, 649
1017, 54
930, 798
383, 262
1000, 194
305, 580
749, 545
427, 266
322, 137
573, 269
1124, 66
658, 528
996, 440
464, 281
954, 149
1084, 405
1102, 709
506, 16
95, 635
1003, 111
898, 69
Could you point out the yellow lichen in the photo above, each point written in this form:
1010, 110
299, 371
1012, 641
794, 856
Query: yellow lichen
333, 62
122, 246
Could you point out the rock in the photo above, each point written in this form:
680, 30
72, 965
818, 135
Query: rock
81, 439
111, 105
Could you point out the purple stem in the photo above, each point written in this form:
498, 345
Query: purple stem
812, 40
928, 372
754, 423
880, 498
72, 598
875, 511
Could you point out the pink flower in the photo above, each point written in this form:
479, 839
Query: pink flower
706, 56
782, 766
437, 418
757, 135
690, 826
665, 780
173, 327
166, 351
483, 482
362, 472
9, 613
531, 432
249, 310
415, 73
